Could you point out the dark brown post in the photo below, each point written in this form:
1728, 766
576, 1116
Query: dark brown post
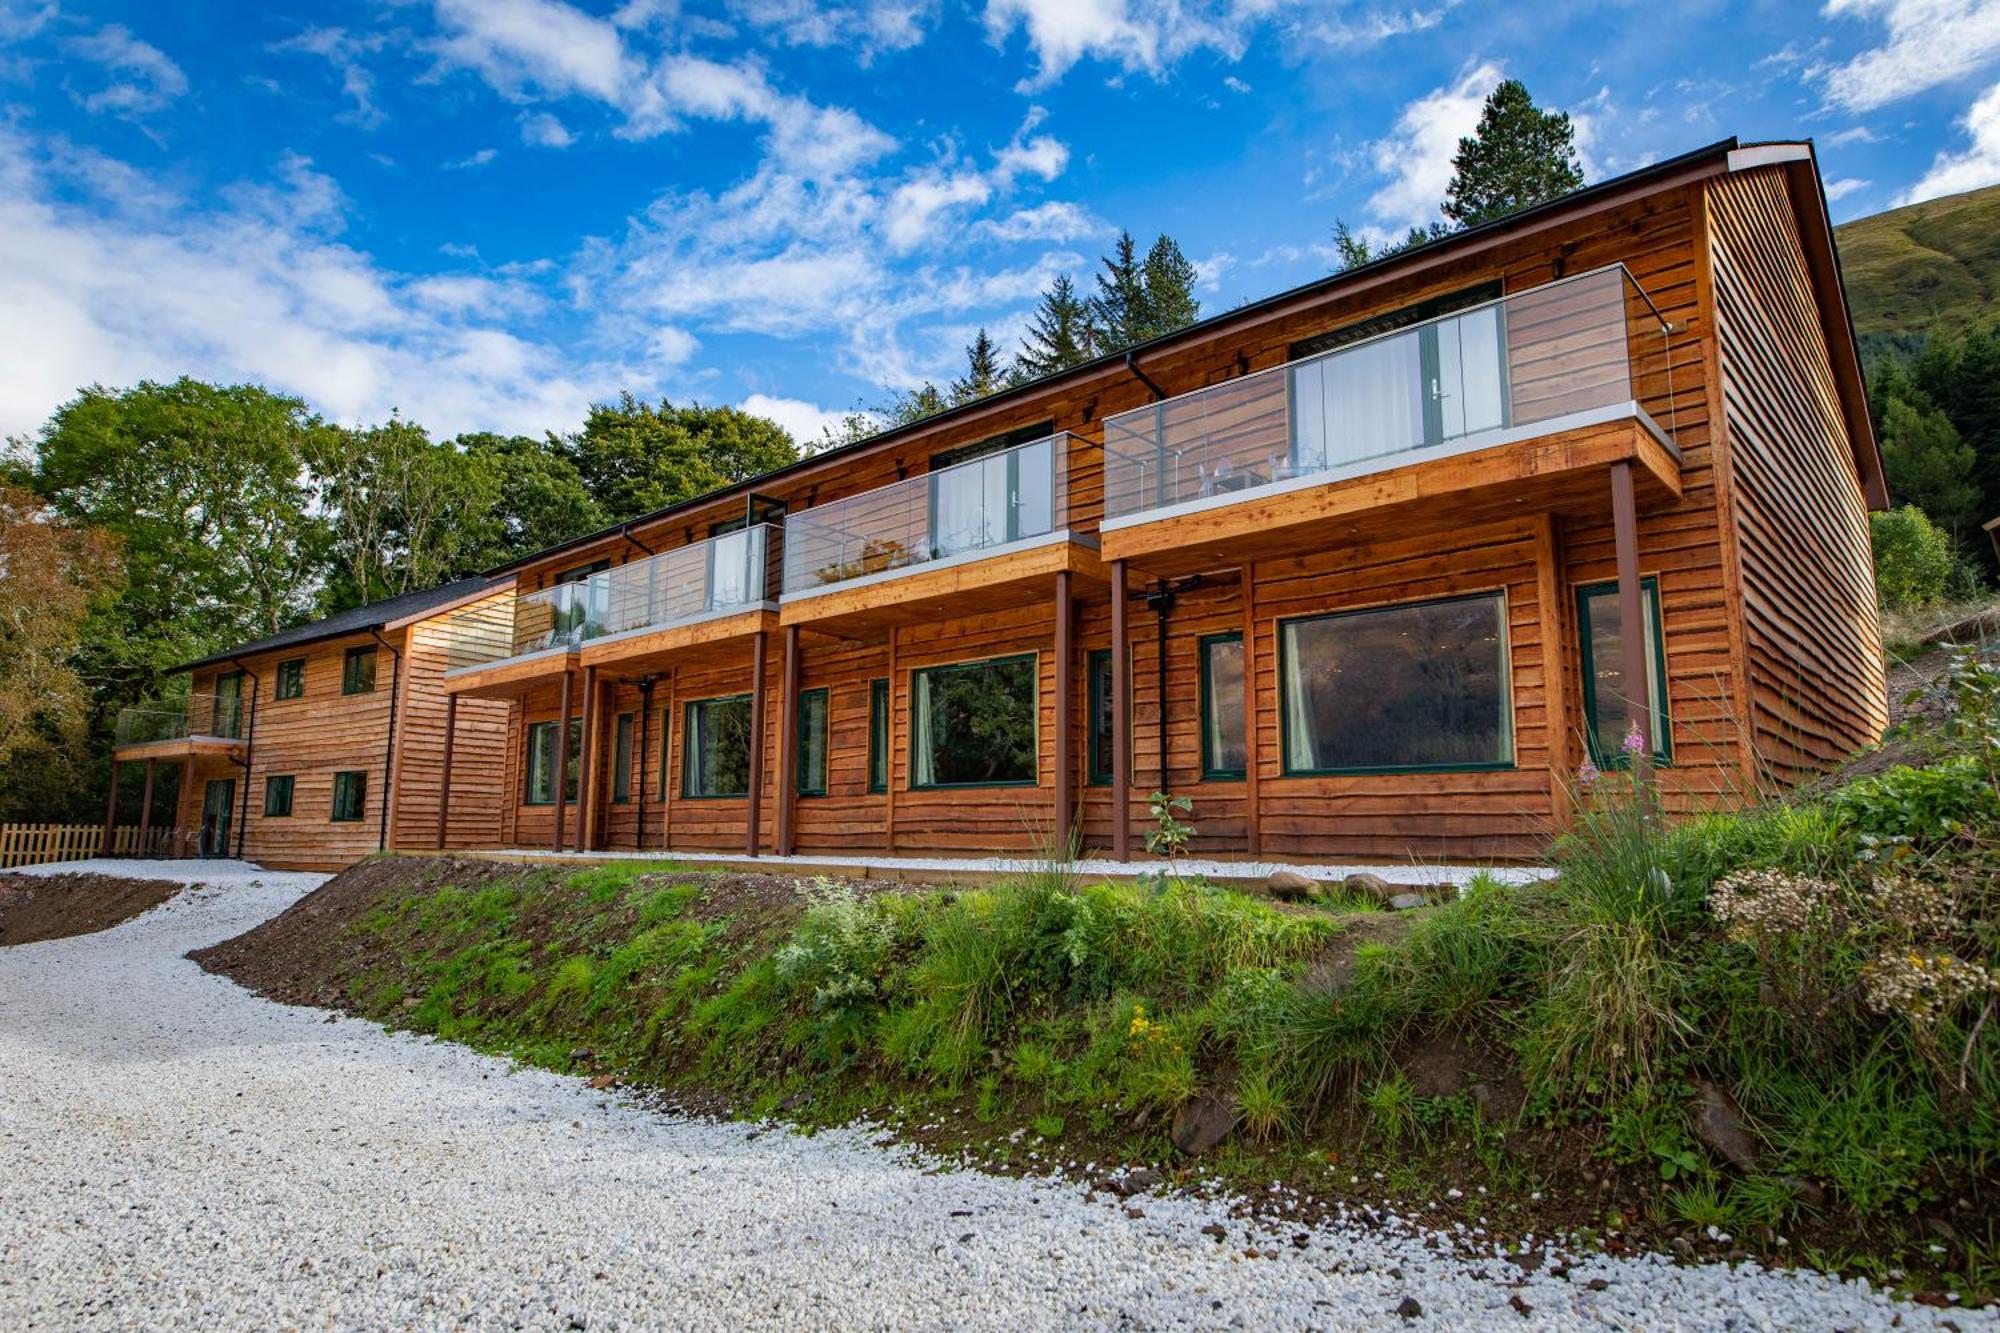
562, 763
111, 809
1121, 720
1065, 801
444, 777
1631, 604
184, 801
752, 833
145, 811
586, 766
788, 738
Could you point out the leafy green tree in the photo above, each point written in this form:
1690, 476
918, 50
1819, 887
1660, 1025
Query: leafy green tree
982, 371
1929, 465
1169, 280
539, 500
908, 405
1913, 558
1519, 155
1960, 376
635, 458
1059, 335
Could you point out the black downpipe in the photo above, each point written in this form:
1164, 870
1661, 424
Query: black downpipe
389, 749
249, 753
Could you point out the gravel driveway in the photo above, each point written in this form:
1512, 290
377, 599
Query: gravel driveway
177, 1153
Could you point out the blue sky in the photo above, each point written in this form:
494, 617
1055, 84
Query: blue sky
489, 213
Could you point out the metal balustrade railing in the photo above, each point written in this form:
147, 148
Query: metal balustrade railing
988, 502
207, 715
1444, 385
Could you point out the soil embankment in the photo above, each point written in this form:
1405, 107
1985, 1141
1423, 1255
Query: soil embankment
55, 907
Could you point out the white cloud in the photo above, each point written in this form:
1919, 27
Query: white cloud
1837, 190
1929, 43
142, 78
1976, 165
1852, 135
539, 129
479, 159
347, 54
917, 206
806, 422
1031, 154
1057, 221
670, 346
1234, 84
1209, 272
868, 28
1416, 155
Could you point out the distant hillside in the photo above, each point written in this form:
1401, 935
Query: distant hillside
1931, 265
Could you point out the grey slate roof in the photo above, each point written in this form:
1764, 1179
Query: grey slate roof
357, 620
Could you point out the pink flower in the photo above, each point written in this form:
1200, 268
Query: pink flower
1586, 773
1634, 743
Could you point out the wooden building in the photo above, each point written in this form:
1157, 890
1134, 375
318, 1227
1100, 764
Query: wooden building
320, 745
1353, 568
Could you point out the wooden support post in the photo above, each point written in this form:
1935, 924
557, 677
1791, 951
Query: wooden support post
586, 775
111, 810
788, 738
1121, 719
1555, 664
1252, 833
183, 802
444, 776
562, 764
145, 811
753, 831
1631, 605
1065, 799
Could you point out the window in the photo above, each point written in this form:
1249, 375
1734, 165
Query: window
277, 797
878, 735
1420, 686
357, 671
621, 759
993, 492
1224, 753
972, 724
1098, 669
541, 765
811, 778
715, 744
350, 795
1600, 622
292, 679
226, 713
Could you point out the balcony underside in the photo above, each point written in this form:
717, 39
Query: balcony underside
1005, 577
180, 747
1563, 473
715, 637
510, 677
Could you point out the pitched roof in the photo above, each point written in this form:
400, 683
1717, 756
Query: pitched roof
358, 620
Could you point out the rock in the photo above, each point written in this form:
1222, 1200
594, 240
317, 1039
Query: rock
1521, 1307
1683, 1249
1719, 1123
1203, 1123
1407, 902
603, 1080
1369, 886
1808, 1192
1290, 886
579, 1056
1409, 1309
1216, 1230
1135, 1182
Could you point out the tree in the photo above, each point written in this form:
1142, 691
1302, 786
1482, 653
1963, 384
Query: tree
1169, 281
1518, 156
908, 405
539, 500
1930, 466
52, 576
1913, 558
634, 458
1352, 251
982, 371
1059, 335
856, 425
1118, 311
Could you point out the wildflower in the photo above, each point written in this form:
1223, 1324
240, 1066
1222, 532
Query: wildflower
1923, 988
1754, 902
1587, 773
1634, 743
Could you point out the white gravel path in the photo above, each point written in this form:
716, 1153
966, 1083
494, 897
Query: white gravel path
176, 1153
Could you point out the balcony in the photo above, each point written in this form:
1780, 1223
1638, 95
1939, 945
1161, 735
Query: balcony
200, 724
976, 535
1520, 402
506, 644
680, 604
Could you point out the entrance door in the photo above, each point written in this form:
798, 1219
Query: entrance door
217, 800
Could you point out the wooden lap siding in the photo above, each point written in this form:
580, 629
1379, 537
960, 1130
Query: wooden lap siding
478, 761
1808, 591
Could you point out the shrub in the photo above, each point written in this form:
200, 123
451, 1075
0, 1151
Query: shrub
1913, 558
1926, 806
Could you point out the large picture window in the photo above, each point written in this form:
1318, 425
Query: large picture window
350, 797
1224, 754
878, 735
812, 743
1418, 686
542, 742
972, 724
1600, 622
1097, 759
715, 744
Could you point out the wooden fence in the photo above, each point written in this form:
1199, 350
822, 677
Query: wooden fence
39, 844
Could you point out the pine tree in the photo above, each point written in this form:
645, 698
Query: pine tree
982, 370
1119, 308
1518, 156
1059, 337
1169, 284
907, 405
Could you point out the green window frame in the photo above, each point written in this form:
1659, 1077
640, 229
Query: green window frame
1097, 722
538, 778
278, 796
715, 775
921, 704
350, 796
878, 735
810, 780
665, 788
1289, 684
1608, 752
291, 683
621, 758
1215, 716
357, 670
226, 710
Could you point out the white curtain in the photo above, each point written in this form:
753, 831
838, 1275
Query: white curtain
969, 506
924, 767
1469, 373
729, 570
1300, 751
1370, 402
